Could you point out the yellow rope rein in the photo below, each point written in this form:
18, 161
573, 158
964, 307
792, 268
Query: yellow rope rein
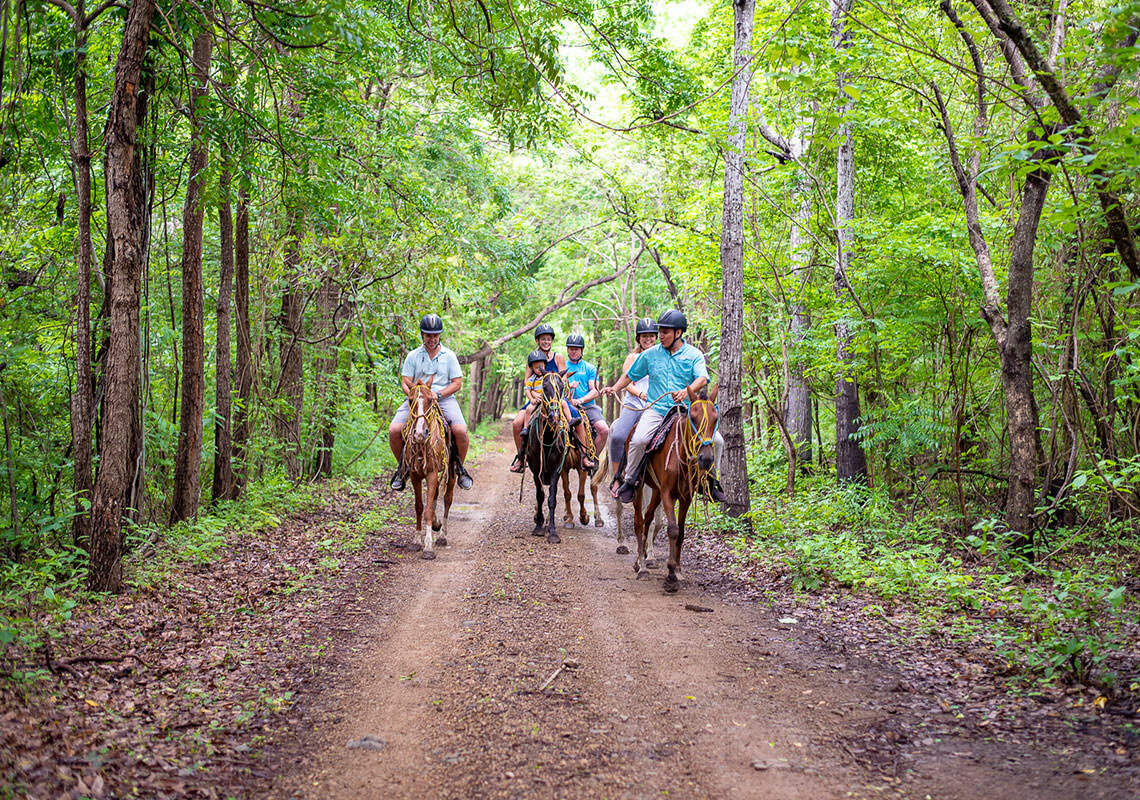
435, 423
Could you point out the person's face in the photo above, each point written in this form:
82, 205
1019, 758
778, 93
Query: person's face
647, 340
545, 341
575, 353
431, 340
668, 336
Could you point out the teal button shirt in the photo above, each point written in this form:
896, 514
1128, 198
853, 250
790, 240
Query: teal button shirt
668, 372
583, 372
438, 371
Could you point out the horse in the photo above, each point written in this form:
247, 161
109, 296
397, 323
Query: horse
675, 474
547, 447
574, 464
427, 456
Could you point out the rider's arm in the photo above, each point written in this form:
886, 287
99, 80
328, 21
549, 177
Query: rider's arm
592, 394
622, 382
451, 388
694, 388
406, 382
560, 362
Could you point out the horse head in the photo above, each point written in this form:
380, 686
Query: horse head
703, 419
420, 399
553, 392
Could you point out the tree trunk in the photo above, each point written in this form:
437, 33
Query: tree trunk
126, 220
850, 460
798, 412
327, 389
224, 487
244, 362
734, 462
292, 387
188, 459
83, 401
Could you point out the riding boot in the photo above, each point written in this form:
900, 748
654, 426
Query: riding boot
628, 489
399, 479
462, 476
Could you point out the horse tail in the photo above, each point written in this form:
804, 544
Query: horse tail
603, 467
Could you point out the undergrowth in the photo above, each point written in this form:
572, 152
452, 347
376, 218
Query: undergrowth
1064, 614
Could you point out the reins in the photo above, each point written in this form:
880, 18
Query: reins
416, 453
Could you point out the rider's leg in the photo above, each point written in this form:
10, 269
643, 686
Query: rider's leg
462, 441
396, 442
623, 427
451, 411
601, 430
518, 424
638, 441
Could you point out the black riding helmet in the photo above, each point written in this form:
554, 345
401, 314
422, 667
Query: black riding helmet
535, 355
543, 329
575, 340
432, 323
673, 319
646, 325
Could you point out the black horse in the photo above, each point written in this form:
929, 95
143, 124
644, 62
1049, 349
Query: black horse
546, 449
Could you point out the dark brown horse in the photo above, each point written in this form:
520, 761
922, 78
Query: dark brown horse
547, 447
427, 457
675, 475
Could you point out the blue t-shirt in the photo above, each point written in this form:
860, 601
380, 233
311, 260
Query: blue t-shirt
583, 372
439, 371
668, 372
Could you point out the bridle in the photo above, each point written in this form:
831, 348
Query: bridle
425, 418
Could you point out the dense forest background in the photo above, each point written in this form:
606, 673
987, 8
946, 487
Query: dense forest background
906, 235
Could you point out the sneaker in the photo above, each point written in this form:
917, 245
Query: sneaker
462, 476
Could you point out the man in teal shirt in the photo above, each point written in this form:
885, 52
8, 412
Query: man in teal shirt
676, 371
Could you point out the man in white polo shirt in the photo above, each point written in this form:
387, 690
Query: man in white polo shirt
435, 364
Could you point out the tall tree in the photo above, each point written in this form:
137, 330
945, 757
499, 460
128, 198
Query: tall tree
224, 485
126, 222
243, 363
188, 459
734, 465
850, 460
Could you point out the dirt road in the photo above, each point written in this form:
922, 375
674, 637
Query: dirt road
509, 667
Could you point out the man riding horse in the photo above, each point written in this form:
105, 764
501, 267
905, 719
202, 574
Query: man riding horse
677, 372
434, 364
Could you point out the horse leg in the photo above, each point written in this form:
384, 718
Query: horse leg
552, 502
568, 512
583, 517
598, 521
539, 496
429, 506
441, 540
674, 534
640, 519
621, 548
682, 514
417, 488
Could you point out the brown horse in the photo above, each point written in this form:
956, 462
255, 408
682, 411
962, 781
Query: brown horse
675, 474
427, 457
574, 464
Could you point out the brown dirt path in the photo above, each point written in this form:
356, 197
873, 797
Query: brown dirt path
513, 668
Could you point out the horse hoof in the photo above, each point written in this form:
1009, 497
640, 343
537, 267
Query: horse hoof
671, 584
650, 563
539, 531
567, 523
437, 527
622, 550
643, 574
441, 541
553, 538
415, 547
599, 523
427, 555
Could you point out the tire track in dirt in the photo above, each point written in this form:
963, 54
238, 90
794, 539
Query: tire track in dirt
513, 668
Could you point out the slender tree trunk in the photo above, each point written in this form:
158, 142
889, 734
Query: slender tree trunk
126, 219
83, 401
327, 388
850, 460
292, 387
188, 459
224, 486
734, 462
244, 361
798, 413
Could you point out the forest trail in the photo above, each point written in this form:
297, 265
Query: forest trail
509, 667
